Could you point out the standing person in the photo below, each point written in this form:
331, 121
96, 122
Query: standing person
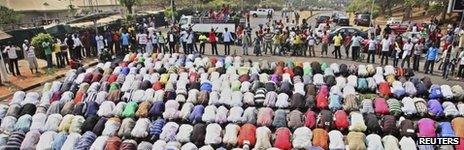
70, 47
461, 64
385, 50
356, 46
212, 39
125, 40
58, 55
257, 45
77, 47
154, 41
371, 50
407, 49
431, 56
268, 41
245, 43
311, 43
142, 38
325, 44
162, 43
189, 42
297, 44
29, 54
109, 41
337, 44
417, 55
397, 53
202, 38
46, 46
227, 37
278, 40
172, 41
100, 43
86, 42
149, 47
447, 62
347, 45
13, 57
117, 44
183, 40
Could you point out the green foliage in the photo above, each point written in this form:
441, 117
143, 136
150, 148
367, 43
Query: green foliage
129, 4
37, 43
9, 16
436, 7
364, 6
168, 12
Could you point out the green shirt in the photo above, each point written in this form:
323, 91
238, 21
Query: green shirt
46, 47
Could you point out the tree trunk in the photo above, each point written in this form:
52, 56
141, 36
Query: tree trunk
443, 17
129, 9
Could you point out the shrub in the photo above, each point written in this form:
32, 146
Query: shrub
37, 43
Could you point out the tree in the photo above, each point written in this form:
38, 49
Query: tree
129, 4
8, 16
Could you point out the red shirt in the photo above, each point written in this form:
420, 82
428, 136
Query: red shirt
212, 37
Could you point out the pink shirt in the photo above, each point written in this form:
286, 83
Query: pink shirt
426, 127
325, 39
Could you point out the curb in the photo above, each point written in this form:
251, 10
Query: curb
2, 98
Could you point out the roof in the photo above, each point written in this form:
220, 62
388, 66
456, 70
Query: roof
36, 5
89, 3
4, 35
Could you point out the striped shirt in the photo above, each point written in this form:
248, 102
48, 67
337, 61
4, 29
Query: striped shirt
15, 140
395, 106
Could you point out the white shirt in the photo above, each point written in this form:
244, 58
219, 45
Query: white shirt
407, 143
374, 142
385, 45
311, 40
171, 37
11, 52
227, 36
189, 38
142, 38
77, 41
371, 45
407, 47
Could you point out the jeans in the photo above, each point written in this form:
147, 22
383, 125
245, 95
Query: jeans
65, 58
395, 62
189, 49
245, 49
429, 64
202, 48
354, 53
13, 63
446, 66
267, 45
59, 60
277, 47
371, 53
385, 55
172, 47
406, 59
227, 48
311, 51
324, 48
347, 51
415, 64
49, 60
125, 49
337, 52
78, 52
214, 50
117, 48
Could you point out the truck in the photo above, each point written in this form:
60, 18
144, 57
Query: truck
261, 12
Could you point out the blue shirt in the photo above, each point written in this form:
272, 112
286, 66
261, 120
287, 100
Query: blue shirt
432, 53
125, 38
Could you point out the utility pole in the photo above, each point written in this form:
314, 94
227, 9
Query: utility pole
371, 23
173, 10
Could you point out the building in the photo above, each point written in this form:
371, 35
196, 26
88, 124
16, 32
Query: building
39, 12
96, 5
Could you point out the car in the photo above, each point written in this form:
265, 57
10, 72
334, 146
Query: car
343, 21
393, 20
422, 37
345, 30
363, 19
335, 17
399, 28
322, 19
261, 12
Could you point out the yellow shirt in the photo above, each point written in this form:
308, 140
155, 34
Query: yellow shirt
56, 48
337, 40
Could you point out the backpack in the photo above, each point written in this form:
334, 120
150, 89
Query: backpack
344, 70
321, 97
458, 92
446, 92
384, 89
341, 120
325, 119
320, 138
335, 102
434, 107
310, 119
362, 85
394, 107
350, 103
389, 125
372, 123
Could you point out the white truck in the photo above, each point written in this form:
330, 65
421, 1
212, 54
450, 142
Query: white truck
261, 12
204, 24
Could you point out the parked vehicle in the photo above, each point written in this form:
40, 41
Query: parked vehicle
261, 12
393, 20
204, 25
343, 21
399, 28
322, 19
346, 30
363, 19
421, 37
